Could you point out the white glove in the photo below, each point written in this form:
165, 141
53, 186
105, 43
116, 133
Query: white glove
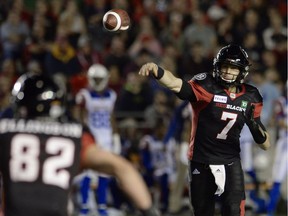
116, 144
183, 152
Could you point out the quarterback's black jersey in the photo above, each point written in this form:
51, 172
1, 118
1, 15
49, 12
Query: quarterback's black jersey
38, 158
218, 119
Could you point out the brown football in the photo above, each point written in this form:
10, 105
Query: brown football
116, 20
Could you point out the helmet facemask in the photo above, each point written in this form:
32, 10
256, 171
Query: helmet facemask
232, 56
98, 77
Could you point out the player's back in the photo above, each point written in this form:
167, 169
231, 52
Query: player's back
38, 160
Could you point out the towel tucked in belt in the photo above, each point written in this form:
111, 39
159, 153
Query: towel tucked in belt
220, 177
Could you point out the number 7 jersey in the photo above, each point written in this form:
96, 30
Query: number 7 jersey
218, 119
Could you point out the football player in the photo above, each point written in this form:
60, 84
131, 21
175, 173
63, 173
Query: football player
42, 150
96, 107
222, 103
279, 171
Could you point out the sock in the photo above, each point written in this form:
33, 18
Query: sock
101, 192
274, 196
84, 193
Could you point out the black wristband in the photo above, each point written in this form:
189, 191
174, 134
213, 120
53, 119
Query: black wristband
160, 73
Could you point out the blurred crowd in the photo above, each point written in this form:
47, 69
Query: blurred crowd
63, 38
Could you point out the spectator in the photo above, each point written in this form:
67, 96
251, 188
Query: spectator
86, 54
224, 28
9, 70
19, 7
134, 97
251, 24
73, 21
5, 90
253, 47
194, 59
13, 33
37, 45
93, 12
116, 60
45, 18
62, 57
202, 32
172, 34
146, 39
276, 27
158, 109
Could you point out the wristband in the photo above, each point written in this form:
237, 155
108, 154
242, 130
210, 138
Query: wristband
160, 73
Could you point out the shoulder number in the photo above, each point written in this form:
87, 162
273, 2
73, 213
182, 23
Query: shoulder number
25, 162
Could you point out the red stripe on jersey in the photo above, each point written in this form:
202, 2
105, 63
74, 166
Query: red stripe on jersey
258, 109
242, 208
200, 93
203, 99
87, 140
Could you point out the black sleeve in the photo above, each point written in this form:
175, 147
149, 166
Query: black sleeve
186, 92
258, 136
258, 121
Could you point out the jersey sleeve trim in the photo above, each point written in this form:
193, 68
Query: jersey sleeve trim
86, 141
200, 93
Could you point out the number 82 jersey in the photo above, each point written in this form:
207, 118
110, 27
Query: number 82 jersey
38, 161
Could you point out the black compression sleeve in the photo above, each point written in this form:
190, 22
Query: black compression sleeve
256, 132
186, 92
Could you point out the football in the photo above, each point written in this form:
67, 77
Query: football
116, 20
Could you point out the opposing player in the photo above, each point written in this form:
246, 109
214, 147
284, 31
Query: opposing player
97, 105
254, 161
158, 162
222, 103
42, 150
279, 170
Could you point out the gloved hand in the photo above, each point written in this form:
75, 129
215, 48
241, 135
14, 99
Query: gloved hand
255, 129
249, 117
150, 212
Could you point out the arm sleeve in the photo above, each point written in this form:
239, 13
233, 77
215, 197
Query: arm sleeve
186, 92
258, 136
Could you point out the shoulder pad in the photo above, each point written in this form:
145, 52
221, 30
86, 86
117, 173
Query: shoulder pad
200, 76
206, 81
254, 93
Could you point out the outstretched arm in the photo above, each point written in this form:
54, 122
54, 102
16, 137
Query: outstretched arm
128, 177
165, 77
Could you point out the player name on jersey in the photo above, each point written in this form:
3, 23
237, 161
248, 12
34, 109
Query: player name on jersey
231, 107
34, 126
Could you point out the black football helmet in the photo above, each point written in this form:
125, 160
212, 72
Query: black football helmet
35, 96
231, 55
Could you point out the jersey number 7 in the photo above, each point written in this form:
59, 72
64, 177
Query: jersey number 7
232, 119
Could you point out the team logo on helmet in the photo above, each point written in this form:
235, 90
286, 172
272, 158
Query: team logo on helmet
200, 76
